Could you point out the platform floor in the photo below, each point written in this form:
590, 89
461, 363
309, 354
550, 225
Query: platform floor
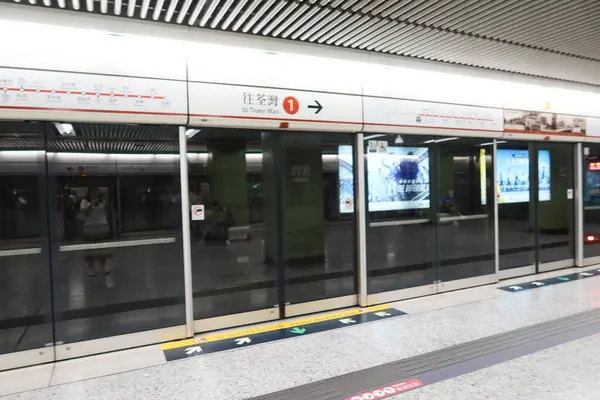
566, 370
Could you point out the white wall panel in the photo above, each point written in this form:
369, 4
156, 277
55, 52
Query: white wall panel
60, 96
254, 107
405, 116
255, 67
53, 47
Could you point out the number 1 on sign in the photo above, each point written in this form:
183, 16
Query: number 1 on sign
291, 105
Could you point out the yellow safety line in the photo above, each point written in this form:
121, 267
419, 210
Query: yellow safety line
270, 328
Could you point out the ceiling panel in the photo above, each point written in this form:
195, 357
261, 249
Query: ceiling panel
551, 38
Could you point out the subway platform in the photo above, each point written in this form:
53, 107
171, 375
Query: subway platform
535, 337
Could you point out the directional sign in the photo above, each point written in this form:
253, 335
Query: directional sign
192, 350
551, 281
317, 106
382, 314
268, 333
241, 341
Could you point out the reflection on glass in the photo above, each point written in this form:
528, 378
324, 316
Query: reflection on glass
233, 266
555, 206
465, 217
400, 235
516, 213
116, 220
25, 311
591, 200
318, 234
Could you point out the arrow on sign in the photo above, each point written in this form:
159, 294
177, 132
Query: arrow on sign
563, 278
347, 321
515, 288
191, 350
537, 283
316, 106
382, 314
242, 341
298, 331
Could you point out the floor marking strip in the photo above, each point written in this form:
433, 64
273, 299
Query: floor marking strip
232, 340
520, 287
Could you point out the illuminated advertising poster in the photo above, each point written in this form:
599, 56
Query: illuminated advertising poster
398, 179
345, 179
483, 177
513, 175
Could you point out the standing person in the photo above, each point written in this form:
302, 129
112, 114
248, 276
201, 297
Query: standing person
93, 212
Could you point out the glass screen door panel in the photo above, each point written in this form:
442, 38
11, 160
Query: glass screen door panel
318, 224
591, 201
516, 202
400, 235
465, 202
556, 232
25, 285
235, 272
116, 231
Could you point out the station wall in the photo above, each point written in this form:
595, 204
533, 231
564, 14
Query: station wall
132, 72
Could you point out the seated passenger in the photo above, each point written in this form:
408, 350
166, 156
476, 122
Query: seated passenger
219, 220
449, 205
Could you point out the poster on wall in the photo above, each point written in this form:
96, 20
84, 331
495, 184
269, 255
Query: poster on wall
527, 121
398, 179
513, 176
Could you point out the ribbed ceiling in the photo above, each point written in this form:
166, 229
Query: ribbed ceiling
552, 38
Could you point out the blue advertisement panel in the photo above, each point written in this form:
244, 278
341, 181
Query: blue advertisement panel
398, 178
513, 175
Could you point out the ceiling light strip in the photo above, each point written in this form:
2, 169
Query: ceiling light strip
389, 34
144, 10
183, 12
103, 6
246, 14
261, 12
196, 12
209, 11
89, 5
118, 6
158, 9
221, 13
333, 14
236, 10
352, 20
171, 10
75, 4
131, 8
339, 19
292, 18
352, 31
305, 17
265, 19
380, 26
288, 10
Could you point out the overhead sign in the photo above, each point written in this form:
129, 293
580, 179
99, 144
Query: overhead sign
198, 212
35, 91
242, 106
398, 116
544, 122
232, 340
